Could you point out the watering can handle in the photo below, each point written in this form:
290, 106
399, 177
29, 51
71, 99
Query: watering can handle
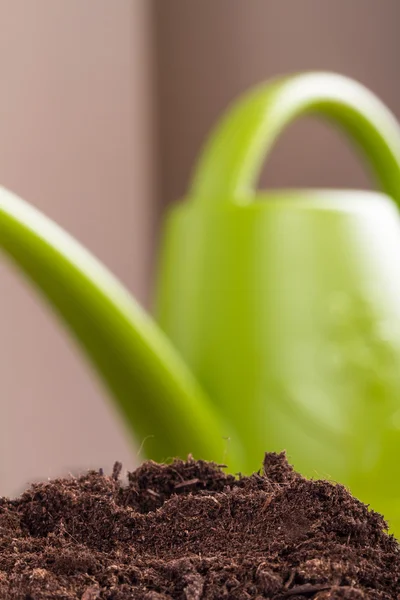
230, 164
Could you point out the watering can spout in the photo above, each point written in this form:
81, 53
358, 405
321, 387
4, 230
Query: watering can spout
159, 398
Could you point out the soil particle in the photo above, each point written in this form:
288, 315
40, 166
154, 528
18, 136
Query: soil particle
188, 531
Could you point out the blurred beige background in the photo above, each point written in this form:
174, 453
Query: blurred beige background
103, 108
76, 137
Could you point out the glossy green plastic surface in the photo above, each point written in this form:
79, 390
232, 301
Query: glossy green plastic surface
286, 304
282, 309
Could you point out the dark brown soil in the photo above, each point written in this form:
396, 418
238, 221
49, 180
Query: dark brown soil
188, 531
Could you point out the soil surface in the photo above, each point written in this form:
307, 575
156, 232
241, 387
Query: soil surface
188, 531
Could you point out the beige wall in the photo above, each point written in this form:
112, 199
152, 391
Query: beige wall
76, 141
77, 107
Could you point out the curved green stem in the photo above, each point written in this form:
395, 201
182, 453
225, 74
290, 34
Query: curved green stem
233, 156
159, 398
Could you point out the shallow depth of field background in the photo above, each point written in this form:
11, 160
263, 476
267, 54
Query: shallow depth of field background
103, 109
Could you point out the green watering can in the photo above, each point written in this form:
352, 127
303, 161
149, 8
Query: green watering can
285, 306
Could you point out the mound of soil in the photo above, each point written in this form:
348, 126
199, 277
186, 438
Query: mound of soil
189, 531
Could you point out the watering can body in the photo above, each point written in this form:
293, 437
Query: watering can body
286, 306
288, 312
